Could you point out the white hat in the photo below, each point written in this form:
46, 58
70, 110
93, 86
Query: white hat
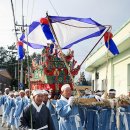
26, 90
112, 91
45, 92
6, 89
99, 93
16, 93
65, 86
36, 92
11, 93
21, 91
87, 91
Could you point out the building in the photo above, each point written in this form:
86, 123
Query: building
112, 70
5, 79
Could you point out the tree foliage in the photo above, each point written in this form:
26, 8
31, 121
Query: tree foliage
9, 61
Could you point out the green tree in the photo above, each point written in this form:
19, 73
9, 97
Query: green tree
8, 61
3, 56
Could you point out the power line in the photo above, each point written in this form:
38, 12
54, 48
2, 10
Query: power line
32, 12
14, 20
15, 9
27, 10
54, 8
22, 18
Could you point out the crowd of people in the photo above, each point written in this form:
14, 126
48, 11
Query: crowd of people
37, 110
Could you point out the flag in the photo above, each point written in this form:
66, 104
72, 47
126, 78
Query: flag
72, 30
69, 31
39, 35
20, 50
110, 44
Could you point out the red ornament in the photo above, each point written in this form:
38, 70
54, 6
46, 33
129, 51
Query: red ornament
48, 72
75, 71
69, 57
44, 21
19, 43
108, 36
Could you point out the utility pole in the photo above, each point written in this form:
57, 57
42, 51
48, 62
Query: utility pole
15, 72
15, 33
20, 62
21, 72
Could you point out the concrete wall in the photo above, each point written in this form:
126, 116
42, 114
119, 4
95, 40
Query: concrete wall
121, 78
117, 74
103, 73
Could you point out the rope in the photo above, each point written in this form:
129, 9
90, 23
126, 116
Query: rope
82, 27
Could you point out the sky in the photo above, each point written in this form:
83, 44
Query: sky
106, 12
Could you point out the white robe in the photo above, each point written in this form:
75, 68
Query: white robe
69, 116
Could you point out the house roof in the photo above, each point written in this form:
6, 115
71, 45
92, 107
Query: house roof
5, 73
122, 40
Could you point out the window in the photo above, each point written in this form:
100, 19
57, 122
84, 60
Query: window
92, 85
104, 84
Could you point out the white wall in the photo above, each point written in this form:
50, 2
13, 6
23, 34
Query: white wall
102, 75
117, 73
120, 64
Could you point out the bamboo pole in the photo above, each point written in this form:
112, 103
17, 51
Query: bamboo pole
52, 29
94, 46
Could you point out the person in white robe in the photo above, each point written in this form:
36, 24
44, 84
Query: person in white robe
20, 103
51, 103
67, 111
3, 101
27, 95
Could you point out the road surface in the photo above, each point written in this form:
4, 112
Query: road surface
1, 128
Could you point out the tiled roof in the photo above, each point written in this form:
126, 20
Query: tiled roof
5, 73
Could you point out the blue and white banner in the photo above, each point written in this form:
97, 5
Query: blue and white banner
38, 35
69, 31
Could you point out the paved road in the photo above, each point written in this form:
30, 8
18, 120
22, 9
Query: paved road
1, 128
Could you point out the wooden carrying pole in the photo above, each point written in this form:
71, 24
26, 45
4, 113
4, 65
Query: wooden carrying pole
94, 46
52, 30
